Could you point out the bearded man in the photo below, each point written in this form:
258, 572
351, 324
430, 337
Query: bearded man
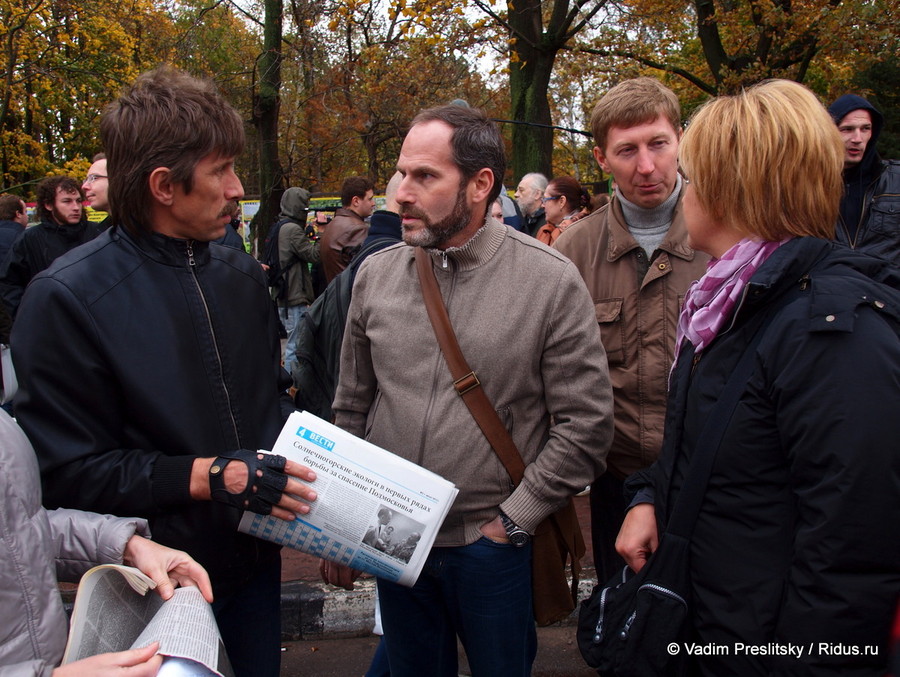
61, 228
525, 323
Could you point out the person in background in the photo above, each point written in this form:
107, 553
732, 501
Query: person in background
321, 333
636, 262
528, 196
296, 251
869, 218
61, 228
13, 220
565, 202
347, 230
96, 188
497, 209
232, 238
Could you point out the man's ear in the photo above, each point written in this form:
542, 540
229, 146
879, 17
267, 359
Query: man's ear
161, 187
480, 185
600, 157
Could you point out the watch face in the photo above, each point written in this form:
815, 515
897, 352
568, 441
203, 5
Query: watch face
518, 538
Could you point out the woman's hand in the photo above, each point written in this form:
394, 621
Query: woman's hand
167, 567
638, 537
132, 663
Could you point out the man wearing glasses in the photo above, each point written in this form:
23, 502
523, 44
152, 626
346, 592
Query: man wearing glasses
95, 187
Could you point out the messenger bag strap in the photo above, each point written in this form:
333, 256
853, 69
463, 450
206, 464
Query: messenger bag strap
465, 381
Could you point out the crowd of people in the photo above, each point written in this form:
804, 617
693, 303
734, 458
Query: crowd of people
150, 372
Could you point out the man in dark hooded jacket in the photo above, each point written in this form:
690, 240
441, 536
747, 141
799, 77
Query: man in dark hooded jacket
870, 209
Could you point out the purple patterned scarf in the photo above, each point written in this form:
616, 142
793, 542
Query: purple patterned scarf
710, 301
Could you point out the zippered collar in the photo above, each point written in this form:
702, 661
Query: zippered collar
480, 248
167, 250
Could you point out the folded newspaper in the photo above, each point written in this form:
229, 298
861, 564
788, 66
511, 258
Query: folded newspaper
113, 612
375, 512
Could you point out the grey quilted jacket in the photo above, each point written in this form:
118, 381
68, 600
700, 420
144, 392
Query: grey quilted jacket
37, 548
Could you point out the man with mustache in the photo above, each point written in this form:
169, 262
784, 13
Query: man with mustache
524, 322
169, 376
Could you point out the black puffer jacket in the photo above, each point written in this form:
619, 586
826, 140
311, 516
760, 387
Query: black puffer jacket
135, 358
798, 538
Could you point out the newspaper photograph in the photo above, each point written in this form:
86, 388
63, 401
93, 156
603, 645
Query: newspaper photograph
114, 612
375, 512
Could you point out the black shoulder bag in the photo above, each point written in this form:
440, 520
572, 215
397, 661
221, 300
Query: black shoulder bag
626, 626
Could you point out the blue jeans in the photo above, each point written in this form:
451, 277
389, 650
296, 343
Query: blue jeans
291, 317
379, 667
480, 593
250, 623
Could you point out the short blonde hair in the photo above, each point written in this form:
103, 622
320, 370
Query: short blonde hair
767, 162
631, 103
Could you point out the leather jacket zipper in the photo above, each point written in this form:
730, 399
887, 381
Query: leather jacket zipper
866, 202
192, 265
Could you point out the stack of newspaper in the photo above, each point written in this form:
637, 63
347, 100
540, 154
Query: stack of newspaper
375, 511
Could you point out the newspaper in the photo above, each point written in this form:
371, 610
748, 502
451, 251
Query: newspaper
375, 512
113, 612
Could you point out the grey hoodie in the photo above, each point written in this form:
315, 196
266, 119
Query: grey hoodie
294, 203
295, 249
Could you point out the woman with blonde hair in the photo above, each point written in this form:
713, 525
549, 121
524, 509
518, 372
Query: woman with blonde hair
795, 550
564, 203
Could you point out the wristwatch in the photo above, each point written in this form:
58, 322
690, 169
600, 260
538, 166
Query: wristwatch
517, 535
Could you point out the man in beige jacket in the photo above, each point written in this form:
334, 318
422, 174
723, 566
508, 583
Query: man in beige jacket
525, 325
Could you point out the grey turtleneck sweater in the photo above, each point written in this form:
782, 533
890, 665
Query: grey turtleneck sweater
649, 226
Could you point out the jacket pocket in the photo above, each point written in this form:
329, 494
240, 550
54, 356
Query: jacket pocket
885, 213
612, 329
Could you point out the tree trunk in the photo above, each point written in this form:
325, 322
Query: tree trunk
529, 81
265, 120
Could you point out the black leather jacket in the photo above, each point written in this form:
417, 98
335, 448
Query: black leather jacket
878, 229
135, 358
